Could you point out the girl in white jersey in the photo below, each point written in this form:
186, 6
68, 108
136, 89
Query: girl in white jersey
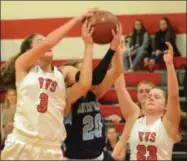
38, 132
152, 136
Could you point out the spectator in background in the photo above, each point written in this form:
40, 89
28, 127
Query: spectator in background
111, 141
138, 48
165, 34
112, 138
9, 111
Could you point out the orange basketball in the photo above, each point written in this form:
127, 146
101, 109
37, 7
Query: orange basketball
103, 23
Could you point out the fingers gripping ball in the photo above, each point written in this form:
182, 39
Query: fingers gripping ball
103, 23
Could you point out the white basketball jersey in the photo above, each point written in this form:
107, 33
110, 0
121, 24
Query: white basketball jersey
150, 142
41, 100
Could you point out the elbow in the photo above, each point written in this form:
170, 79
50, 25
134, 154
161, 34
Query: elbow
85, 83
85, 87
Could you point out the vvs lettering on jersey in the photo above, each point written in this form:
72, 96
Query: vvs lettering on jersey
147, 136
147, 152
50, 85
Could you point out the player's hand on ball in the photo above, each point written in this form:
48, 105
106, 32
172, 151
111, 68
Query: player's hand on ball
88, 14
87, 32
116, 37
168, 55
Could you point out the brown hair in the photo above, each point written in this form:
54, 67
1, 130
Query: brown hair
7, 76
134, 33
170, 33
147, 83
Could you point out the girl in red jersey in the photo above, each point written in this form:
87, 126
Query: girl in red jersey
38, 132
152, 136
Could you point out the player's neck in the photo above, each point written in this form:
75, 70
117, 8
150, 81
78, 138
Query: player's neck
151, 119
46, 67
143, 111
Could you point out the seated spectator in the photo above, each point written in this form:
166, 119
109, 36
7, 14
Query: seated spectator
112, 138
111, 141
165, 34
9, 111
138, 48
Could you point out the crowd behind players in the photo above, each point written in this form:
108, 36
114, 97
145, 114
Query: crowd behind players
140, 48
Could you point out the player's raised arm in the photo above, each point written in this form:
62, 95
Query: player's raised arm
117, 45
26, 60
84, 84
128, 107
172, 116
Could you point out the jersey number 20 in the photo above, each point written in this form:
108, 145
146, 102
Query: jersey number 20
42, 107
92, 127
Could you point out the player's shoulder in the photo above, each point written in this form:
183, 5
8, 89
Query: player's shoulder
141, 119
67, 69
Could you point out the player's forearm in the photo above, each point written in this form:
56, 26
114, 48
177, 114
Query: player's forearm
55, 36
128, 107
100, 71
122, 94
86, 70
25, 61
173, 87
117, 64
119, 149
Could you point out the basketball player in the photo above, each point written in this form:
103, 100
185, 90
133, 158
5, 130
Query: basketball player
143, 90
38, 132
84, 125
152, 136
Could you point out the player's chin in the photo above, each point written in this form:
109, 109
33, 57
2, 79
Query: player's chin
47, 58
151, 107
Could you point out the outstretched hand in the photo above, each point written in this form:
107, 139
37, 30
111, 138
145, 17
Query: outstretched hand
88, 14
116, 37
168, 55
87, 32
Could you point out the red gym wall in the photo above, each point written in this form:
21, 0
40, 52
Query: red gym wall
19, 19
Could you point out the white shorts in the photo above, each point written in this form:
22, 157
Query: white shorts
18, 147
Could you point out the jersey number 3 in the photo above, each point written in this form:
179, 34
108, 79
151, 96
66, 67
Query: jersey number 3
92, 127
142, 150
42, 107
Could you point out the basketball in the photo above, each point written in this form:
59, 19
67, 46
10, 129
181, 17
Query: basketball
103, 23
